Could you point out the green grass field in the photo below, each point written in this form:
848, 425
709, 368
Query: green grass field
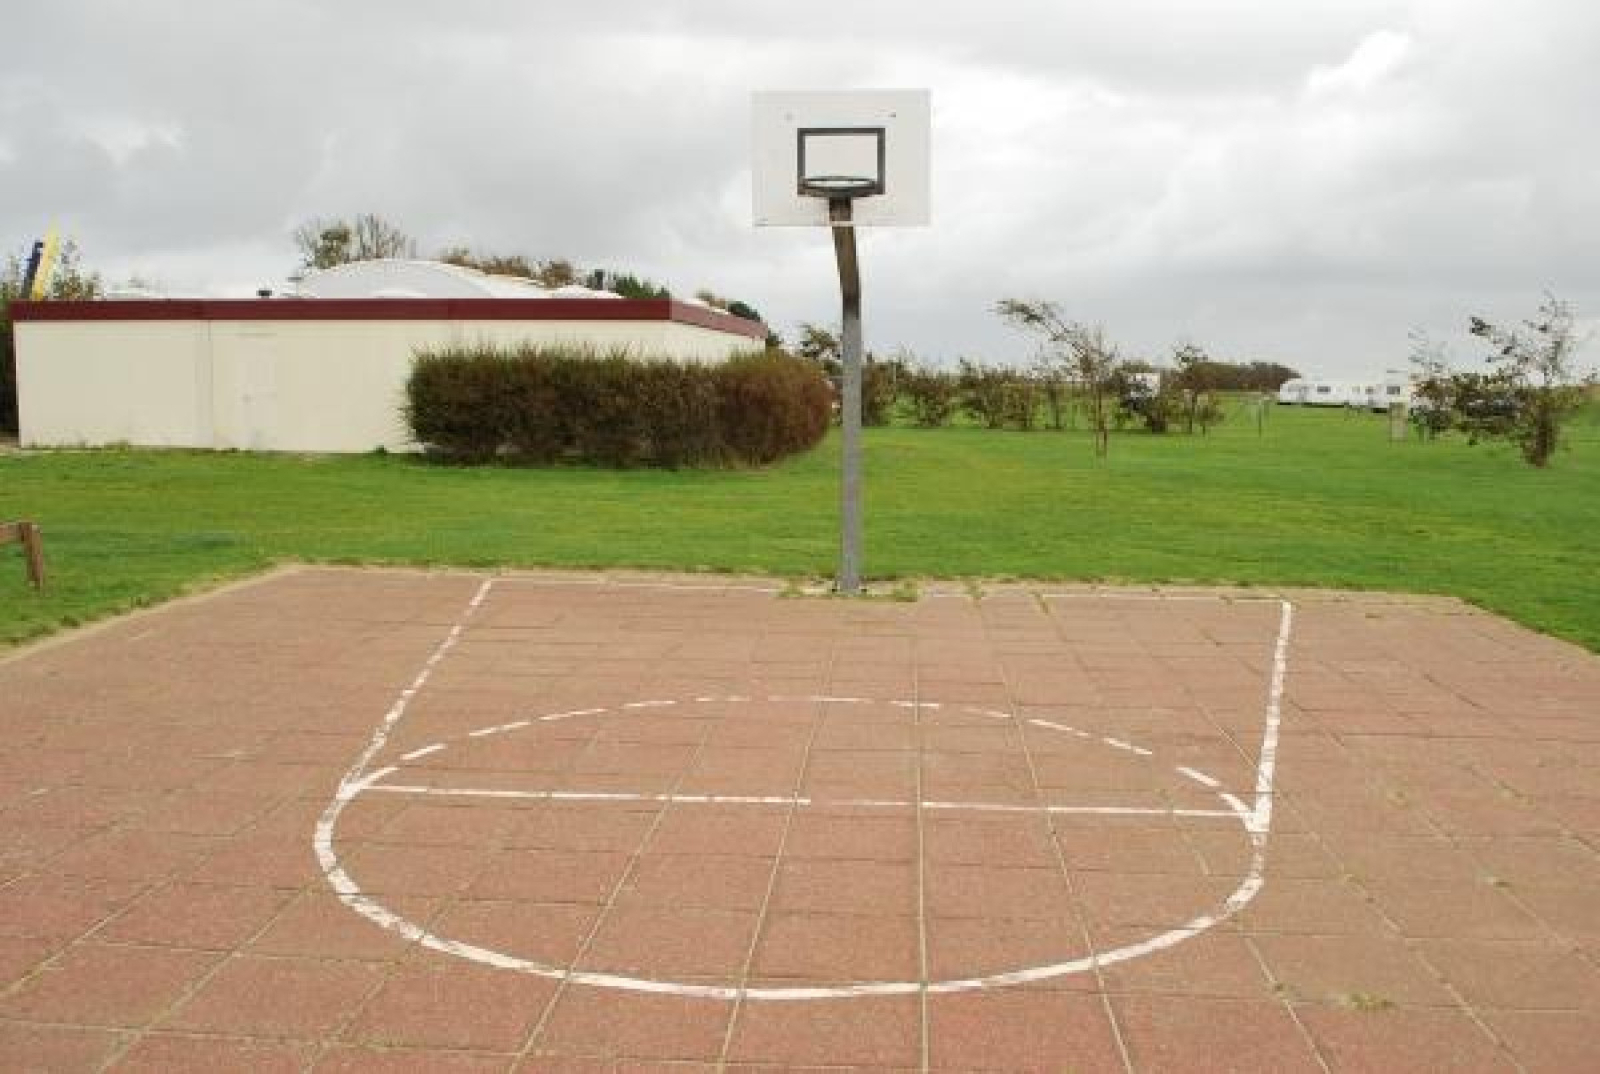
1320, 499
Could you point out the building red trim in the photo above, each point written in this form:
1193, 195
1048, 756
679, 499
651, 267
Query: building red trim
390, 309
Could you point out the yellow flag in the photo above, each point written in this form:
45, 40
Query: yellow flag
47, 264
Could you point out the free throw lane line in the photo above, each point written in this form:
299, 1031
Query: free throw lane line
789, 800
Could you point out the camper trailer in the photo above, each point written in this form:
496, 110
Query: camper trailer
1364, 395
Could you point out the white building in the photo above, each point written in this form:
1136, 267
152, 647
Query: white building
322, 371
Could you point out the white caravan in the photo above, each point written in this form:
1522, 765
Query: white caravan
1367, 395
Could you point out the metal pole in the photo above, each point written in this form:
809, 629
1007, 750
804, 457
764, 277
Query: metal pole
844, 249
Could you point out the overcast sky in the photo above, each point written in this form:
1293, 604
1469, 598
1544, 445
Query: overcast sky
1273, 179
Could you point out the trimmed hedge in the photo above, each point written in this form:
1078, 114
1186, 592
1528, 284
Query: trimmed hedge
543, 404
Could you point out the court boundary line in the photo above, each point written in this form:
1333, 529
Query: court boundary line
1256, 822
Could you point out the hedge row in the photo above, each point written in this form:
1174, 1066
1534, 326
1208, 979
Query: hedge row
541, 404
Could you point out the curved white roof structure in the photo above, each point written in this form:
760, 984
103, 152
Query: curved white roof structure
393, 278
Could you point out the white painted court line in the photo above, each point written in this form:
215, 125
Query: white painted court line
381, 737
1198, 777
1121, 745
1267, 765
615, 583
1176, 598
793, 800
1255, 823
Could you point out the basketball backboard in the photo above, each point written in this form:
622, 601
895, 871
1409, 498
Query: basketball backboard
871, 145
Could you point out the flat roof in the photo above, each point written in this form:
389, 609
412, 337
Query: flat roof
389, 309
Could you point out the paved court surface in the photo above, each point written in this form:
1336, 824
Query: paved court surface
365, 820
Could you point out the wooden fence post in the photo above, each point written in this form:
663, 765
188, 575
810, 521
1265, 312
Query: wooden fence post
27, 534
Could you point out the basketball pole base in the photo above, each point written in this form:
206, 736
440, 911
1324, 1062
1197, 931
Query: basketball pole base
844, 249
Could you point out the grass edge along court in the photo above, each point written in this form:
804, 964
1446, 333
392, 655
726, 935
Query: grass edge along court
1314, 499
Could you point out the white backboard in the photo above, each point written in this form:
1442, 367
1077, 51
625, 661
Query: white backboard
872, 134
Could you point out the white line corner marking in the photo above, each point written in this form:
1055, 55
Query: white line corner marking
1255, 821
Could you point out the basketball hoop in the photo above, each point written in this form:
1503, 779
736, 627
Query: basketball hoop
839, 159
840, 186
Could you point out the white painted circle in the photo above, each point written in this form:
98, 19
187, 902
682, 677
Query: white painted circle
366, 782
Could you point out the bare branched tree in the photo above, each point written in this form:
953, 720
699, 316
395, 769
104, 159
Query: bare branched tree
324, 243
1091, 359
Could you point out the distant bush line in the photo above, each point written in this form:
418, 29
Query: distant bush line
1005, 397
543, 404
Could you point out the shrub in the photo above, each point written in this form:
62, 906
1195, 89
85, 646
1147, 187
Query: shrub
1019, 403
771, 405
543, 404
1157, 405
455, 403
998, 396
933, 396
983, 393
536, 427
880, 388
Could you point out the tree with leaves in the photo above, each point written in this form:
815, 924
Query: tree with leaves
1085, 351
821, 345
1192, 377
1535, 380
1531, 387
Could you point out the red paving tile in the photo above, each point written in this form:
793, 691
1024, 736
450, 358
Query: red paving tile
19, 955
845, 887
869, 1032
56, 1049
1570, 910
1557, 1042
318, 925
1431, 841
601, 827
1180, 1033
838, 947
452, 1004
1351, 969
209, 916
852, 835
260, 858
693, 880
671, 942
965, 947
541, 875
1218, 963
106, 985
551, 934
711, 829
1472, 911
1136, 850
132, 855
1319, 908
168, 1053
277, 997
1021, 1031
1516, 975
608, 1024
986, 891
1383, 1040
1018, 841
431, 872
349, 1060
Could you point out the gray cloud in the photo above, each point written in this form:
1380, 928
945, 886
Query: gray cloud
1304, 182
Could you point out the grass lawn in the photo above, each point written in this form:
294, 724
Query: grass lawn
1319, 499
